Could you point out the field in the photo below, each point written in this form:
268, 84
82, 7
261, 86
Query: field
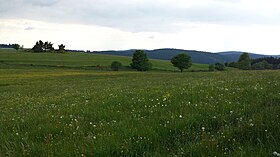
55, 110
13, 59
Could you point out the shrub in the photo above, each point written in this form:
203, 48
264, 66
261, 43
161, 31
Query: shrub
220, 66
115, 66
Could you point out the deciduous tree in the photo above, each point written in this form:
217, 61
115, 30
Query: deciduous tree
182, 61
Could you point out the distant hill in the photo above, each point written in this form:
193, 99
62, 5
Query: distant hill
197, 56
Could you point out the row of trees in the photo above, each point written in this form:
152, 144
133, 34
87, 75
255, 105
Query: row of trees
246, 63
140, 62
11, 46
41, 46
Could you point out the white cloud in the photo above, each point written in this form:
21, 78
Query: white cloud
212, 25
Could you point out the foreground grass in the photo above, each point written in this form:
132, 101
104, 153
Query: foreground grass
62, 112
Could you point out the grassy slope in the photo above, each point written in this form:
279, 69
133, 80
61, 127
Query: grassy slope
78, 60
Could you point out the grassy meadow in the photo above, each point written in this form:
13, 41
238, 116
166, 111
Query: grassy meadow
50, 105
12, 58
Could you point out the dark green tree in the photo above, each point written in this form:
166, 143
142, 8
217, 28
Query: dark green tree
16, 46
41, 46
182, 61
48, 46
61, 48
38, 47
140, 61
258, 66
220, 66
233, 64
244, 62
115, 66
262, 65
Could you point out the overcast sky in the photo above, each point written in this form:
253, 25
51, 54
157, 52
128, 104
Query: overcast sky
207, 25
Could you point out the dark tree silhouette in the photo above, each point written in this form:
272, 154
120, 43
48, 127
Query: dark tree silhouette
16, 46
61, 48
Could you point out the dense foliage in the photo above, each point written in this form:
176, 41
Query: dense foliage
61, 48
272, 61
41, 46
182, 61
140, 61
220, 66
244, 62
262, 65
11, 46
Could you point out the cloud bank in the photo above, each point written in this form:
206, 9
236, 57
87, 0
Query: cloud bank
211, 25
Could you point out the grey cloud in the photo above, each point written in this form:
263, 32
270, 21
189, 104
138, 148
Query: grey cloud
41, 3
29, 28
135, 16
152, 37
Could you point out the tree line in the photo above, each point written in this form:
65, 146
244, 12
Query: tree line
41, 46
140, 62
11, 46
246, 63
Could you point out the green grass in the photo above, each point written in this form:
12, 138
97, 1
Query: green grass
76, 112
77, 60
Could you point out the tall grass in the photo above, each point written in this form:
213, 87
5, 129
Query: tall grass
60, 112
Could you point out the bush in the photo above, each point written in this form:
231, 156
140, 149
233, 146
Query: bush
211, 67
233, 64
262, 65
115, 66
220, 66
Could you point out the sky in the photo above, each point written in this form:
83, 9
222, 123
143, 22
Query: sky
205, 25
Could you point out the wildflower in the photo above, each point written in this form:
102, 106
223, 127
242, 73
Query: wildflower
276, 153
180, 116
